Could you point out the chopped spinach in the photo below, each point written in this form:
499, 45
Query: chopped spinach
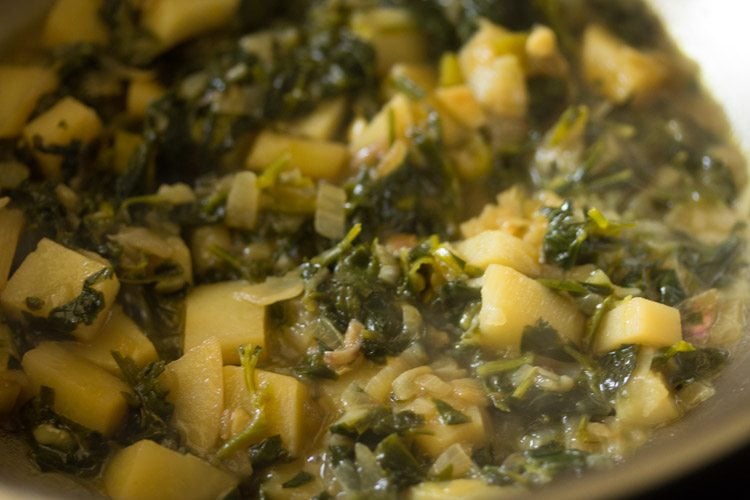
300, 479
690, 365
449, 415
420, 197
616, 368
59, 445
399, 463
149, 411
82, 310
538, 466
268, 452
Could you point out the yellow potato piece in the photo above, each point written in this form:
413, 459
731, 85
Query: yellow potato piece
645, 401
20, 89
121, 334
322, 123
196, 389
437, 437
460, 103
499, 247
287, 405
11, 224
224, 310
318, 159
148, 471
66, 121
639, 321
392, 122
618, 71
465, 489
83, 392
125, 145
74, 21
55, 275
512, 301
141, 93
174, 21
394, 34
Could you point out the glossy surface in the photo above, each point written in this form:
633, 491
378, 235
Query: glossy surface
711, 36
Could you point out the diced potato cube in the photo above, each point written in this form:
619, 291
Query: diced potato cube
121, 334
492, 64
318, 159
639, 321
20, 89
499, 247
196, 389
500, 87
485, 45
125, 145
393, 121
437, 437
243, 201
645, 401
287, 405
512, 301
53, 276
174, 21
394, 34
67, 121
74, 21
322, 123
460, 103
141, 93
148, 471
465, 489
83, 392
617, 70
225, 311
11, 224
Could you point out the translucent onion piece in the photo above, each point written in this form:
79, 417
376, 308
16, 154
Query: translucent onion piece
274, 289
242, 202
330, 211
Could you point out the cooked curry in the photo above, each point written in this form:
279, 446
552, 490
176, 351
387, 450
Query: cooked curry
358, 248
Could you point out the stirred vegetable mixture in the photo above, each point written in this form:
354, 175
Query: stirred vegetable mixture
358, 248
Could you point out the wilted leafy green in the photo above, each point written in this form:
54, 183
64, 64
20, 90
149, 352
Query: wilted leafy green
149, 411
58, 444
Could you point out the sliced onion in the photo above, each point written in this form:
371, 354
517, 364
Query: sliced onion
433, 385
274, 289
242, 201
453, 460
330, 211
405, 387
176, 194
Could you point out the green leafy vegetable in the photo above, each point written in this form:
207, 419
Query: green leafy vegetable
398, 462
84, 309
689, 365
268, 452
448, 414
149, 411
538, 466
58, 444
301, 478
